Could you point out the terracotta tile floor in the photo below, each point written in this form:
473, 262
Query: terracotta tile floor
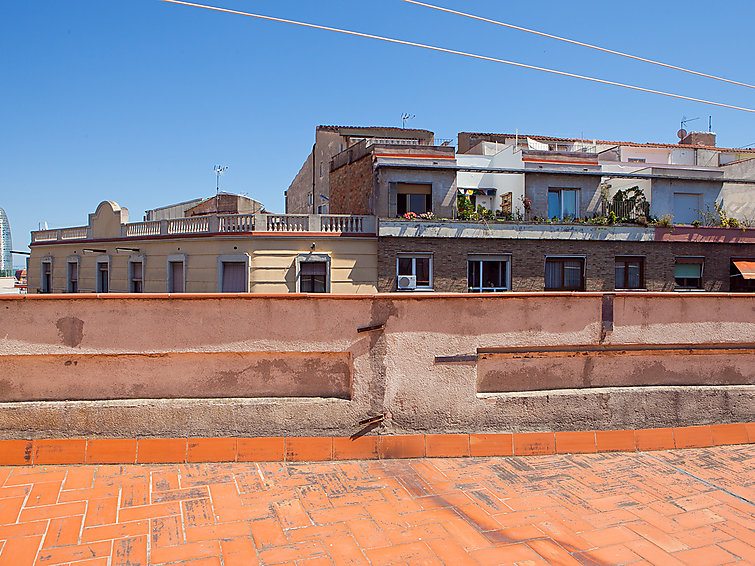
678, 507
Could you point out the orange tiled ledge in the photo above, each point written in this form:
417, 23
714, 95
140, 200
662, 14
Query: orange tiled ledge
319, 448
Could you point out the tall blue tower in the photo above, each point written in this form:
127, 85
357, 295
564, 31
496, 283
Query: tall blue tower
6, 261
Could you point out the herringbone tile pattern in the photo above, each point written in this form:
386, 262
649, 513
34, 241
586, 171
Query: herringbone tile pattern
688, 507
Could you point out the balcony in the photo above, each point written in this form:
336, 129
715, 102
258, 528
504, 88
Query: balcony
331, 224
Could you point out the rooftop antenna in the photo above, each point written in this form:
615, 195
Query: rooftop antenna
219, 170
710, 124
404, 118
682, 133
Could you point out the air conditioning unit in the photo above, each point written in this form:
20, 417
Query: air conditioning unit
407, 282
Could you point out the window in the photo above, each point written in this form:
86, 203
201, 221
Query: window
72, 275
103, 275
136, 275
636, 160
320, 168
688, 273
411, 197
233, 273
418, 266
487, 274
176, 273
312, 277
742, 275
564, 274
313, 273
563, 203
322, 209
630, 272
46, 282
234, 277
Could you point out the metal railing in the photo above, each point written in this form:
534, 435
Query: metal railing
627, 209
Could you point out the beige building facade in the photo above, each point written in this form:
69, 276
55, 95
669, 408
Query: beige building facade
257, 253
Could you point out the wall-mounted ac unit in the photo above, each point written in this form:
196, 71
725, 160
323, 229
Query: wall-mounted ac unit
407, 282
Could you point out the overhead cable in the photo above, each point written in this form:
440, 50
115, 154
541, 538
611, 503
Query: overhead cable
580, 43
455, 52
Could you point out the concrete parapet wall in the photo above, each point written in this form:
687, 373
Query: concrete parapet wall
302, 365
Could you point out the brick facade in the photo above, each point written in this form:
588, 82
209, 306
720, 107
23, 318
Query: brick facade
351, 187
449, 265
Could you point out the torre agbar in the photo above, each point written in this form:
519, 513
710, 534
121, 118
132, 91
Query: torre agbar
6, 262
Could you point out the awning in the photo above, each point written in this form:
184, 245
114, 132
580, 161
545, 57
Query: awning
746, 268
687, 270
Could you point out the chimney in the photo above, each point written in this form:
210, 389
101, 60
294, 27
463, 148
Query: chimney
699, 138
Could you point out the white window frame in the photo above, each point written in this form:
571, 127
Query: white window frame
132, 259
414, 257
73, 260
174, 258
317, 258
99, 261
49, 260
506, 258
234, 258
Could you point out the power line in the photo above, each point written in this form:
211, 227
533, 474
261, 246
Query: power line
462, 53
580, 43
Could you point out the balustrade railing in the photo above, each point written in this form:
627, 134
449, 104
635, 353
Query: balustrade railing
236, 223
77, 233
226, 223
341, 224
151, 228
192, 225
287, 223
44, 236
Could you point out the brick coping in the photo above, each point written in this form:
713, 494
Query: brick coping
325, 448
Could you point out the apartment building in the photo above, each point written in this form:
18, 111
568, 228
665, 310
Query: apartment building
309, 192
230, 253
394, 223
567, 177
545, 188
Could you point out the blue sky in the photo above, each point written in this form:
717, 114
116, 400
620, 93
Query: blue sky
136, 100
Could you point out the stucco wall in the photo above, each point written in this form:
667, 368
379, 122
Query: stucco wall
536, 189
67, 349
738, 201
353, 267
663, 195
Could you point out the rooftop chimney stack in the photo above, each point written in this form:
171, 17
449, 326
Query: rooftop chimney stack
699, 138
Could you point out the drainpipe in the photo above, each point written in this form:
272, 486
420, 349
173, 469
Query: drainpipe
313, 177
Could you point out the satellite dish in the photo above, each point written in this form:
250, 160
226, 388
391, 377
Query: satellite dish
681, 134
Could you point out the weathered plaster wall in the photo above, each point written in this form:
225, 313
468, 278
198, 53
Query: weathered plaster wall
390, 370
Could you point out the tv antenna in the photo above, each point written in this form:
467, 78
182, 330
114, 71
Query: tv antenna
405, 117
219, 170
682, 130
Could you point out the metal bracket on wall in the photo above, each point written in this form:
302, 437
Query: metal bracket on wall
368, 425
371, 328
461, 358
372, 420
